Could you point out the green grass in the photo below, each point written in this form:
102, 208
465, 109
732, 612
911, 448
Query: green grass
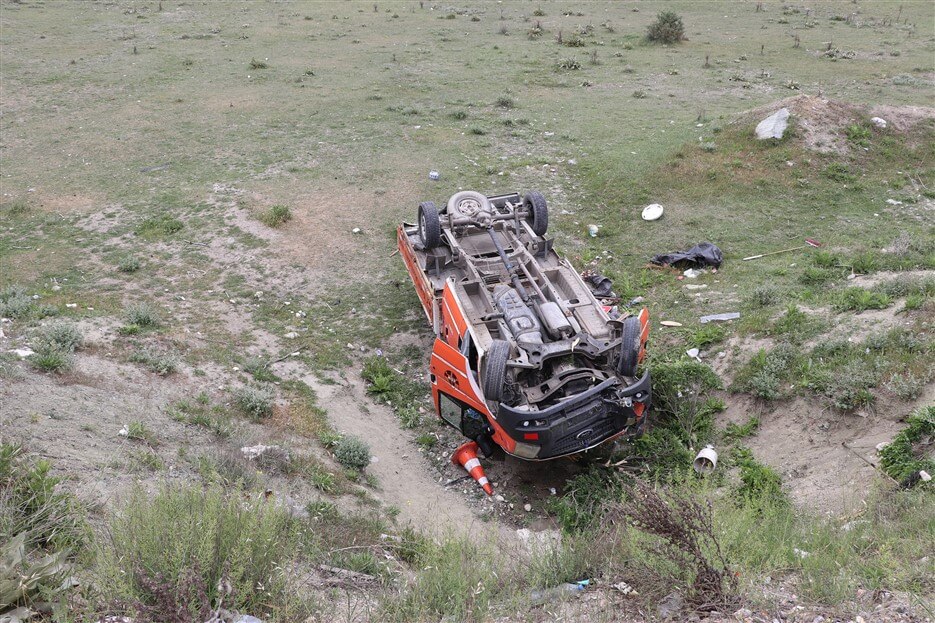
276, 215
900, 458
254, 402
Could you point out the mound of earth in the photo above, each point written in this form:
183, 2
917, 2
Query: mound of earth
820, 124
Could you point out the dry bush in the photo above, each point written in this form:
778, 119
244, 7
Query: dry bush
686, 539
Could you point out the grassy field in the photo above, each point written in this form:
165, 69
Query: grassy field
191, 192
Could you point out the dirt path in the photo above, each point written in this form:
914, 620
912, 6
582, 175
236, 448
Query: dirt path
406, 478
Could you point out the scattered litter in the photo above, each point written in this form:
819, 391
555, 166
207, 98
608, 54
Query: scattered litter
695, 286
356, 230
878, 122
706, 460
291, 335
894, 202
500, 498
71, 305
601, 286
693, 353
693, 273
22, 353
924, 475
719, 317
527, 507
625, 588
255, 452
773, 126
553, 491
552, 594
434, 175
125, 431
882, 445
700, 255
636, 301
800, 553
258, 294
592, 230
652, 212
670, 323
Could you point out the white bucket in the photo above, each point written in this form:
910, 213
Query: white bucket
706, 461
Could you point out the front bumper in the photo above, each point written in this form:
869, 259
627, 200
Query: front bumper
585, 421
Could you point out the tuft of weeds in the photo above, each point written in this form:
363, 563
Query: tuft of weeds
734, 432
352, 452
51, 358
65, 336
906, 386
159, 226
255, 64
15, 303
767, 372
17, 207
505, 102
459, 115
568, 64
583, 499
393, 388
427, 440
276, 215
839, 172
129, 264
796, 326
159, 361
860, 299
706, 335
254, 402
858, 134
759, 484
763, 296
865, 263
478, 131
137, 431
142, 315
259, 369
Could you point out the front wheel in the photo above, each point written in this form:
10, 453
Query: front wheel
495, 360
630, 346
430, 228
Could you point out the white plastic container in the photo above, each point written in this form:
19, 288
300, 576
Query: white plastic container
706, 460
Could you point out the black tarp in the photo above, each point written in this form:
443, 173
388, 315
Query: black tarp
701, 255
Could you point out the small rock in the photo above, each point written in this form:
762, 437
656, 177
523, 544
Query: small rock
670, 605
500, 498
246, 618
356, 230
625, 588
22, 353
878, 122
894, 202
56, 288
773, 126
527, 507
742, 614
291, 335
924, 475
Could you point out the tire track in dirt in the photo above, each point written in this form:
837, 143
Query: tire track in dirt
405, 477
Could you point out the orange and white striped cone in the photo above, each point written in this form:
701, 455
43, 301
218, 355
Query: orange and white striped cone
466, 457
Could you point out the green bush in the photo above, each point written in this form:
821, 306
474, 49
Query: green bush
159, 361
129, 264
859, 299
352, 452
667, 28
276, 216
176, 550
15, 303
51, 358
63, 335
158, 226
142, 315
255, 402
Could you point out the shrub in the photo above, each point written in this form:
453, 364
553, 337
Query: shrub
584, 497
51, 358
15, 303
569, 64
763, 296
505, 102
765, 373
255, 64
667, 28
142, 315
129, 264
906, 386
63, 335
352, 452
160, 362
174, 553
858, 134
276, 216
254, 402
160, 225
459, 115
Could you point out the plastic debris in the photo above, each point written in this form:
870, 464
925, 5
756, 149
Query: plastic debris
434, 175
693, 273
592, 230
706, 460
552, 594
701, 255
693, 353
670, 323
652, 212
719, 317
878, 122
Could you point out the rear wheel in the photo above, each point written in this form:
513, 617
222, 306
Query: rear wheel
495, 361
630, 346
537, 212
430, 229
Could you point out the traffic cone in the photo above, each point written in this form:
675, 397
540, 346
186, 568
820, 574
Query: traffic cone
466, 457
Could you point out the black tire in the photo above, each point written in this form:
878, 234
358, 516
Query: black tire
495, 369
430, 228
538, 212
630, 346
